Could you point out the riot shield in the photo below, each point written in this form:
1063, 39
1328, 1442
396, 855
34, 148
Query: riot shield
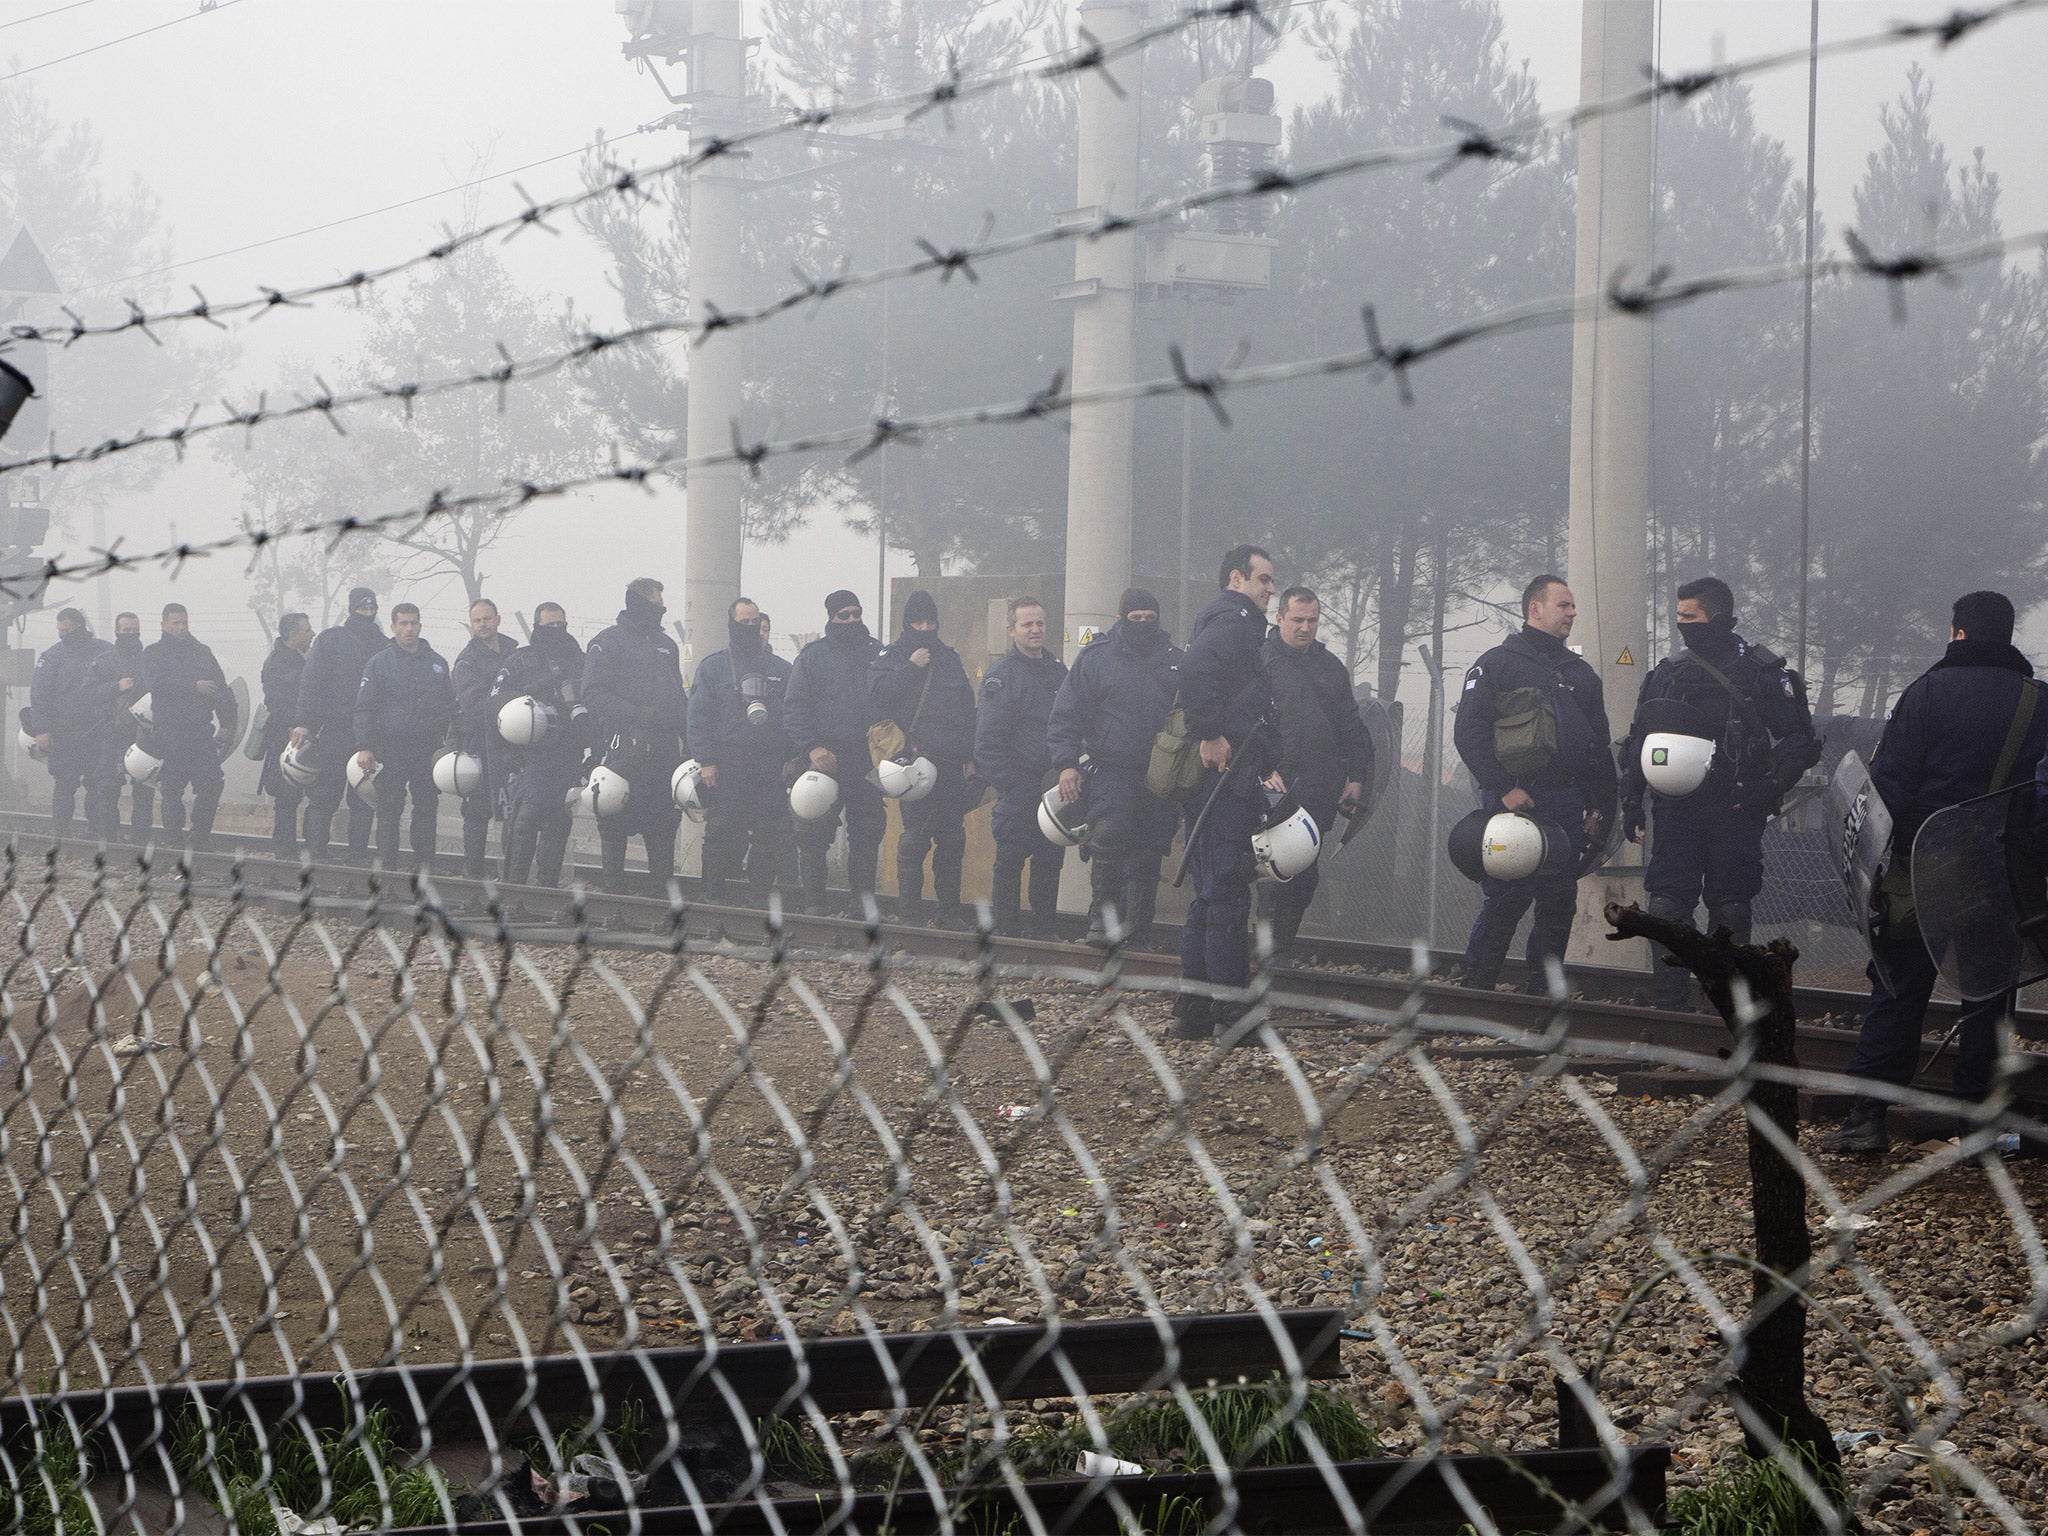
240, 690
1977, 887
1599, 850
1859, 842
1381, 727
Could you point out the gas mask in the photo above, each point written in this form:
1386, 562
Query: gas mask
754, 689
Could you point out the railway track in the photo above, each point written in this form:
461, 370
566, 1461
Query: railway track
1342, 972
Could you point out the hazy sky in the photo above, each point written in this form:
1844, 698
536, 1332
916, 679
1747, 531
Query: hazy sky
265, 117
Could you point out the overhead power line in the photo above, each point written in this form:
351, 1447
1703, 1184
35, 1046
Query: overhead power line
206, 9
57, 10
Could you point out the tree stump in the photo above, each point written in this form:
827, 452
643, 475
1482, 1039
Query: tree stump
1772, 1369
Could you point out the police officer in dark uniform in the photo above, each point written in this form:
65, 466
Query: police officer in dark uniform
828, 708
141, 797
403, 712
1226, 699
1109, 709
192, 714
633, 688
326, 718
549, 670
1010, 752
921, 683
1530, 687
1326, 754
739, 739
284, 669
72, 704
1963, 728
477, 666
1710, 843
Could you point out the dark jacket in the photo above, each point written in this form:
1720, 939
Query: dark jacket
406, 703
827, 703
1112, 704
476, 667
719, 733
1946, 733
128, 654
1766, 741
1223, 688
1532, 659
74, 695
934, 703
179, 712
1017, 694
283, 669
549, 668
1323, 741
633, 688
334, 674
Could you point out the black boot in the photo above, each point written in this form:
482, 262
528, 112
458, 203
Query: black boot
1141, 895
1194, 1018
1862, 1132
1105, 907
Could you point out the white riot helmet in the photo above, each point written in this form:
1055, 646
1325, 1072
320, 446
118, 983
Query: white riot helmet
906, 778
28, 745
142, 710
813, 795
525, 721
1286, 842
1507, 845
1678, 747
291, 762
686, 786
140, 766
606, 792
359, 777
1064, 824
1676, 765
458, 773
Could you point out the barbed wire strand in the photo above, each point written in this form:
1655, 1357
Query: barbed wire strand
1471, 143
1393, 360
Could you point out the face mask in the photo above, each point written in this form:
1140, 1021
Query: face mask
1143, 636
745, 639
847, 632
1707, 634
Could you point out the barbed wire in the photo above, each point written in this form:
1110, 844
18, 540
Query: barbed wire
954, 89
1393, 360
1470, 143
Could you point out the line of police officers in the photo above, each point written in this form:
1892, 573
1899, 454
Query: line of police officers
1266, 714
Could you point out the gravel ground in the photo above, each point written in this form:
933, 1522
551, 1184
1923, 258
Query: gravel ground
327, 1177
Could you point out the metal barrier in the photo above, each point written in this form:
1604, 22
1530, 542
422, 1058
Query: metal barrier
339, 1215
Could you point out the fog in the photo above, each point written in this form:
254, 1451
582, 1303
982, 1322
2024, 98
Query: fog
277, 143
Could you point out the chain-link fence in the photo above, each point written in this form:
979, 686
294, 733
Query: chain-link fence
371, 1212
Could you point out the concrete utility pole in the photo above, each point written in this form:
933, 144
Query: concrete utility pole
1610, 442
713, 546
1104, 294
1608, 548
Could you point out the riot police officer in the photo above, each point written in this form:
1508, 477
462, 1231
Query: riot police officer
284, 669
403, 712
476, 667
326, 720
1113, 703
1326, 755
193, 716
1709, 843
1010, 752
1225, 699
828, 708
1532, 730
141, 797
633, 688
738, 736
549, 670
1974, 723
72, 704
920, 683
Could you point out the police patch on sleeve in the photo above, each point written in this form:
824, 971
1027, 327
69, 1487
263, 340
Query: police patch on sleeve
1472, 677
1785, 682
991, 685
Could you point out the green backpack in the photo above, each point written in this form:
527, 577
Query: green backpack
1525, 729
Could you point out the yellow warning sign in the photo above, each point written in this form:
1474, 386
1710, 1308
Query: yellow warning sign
1625, 659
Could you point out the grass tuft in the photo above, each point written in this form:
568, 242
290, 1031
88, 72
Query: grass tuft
1753, 1498
50, 1463
341, 1478
1253, 1426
